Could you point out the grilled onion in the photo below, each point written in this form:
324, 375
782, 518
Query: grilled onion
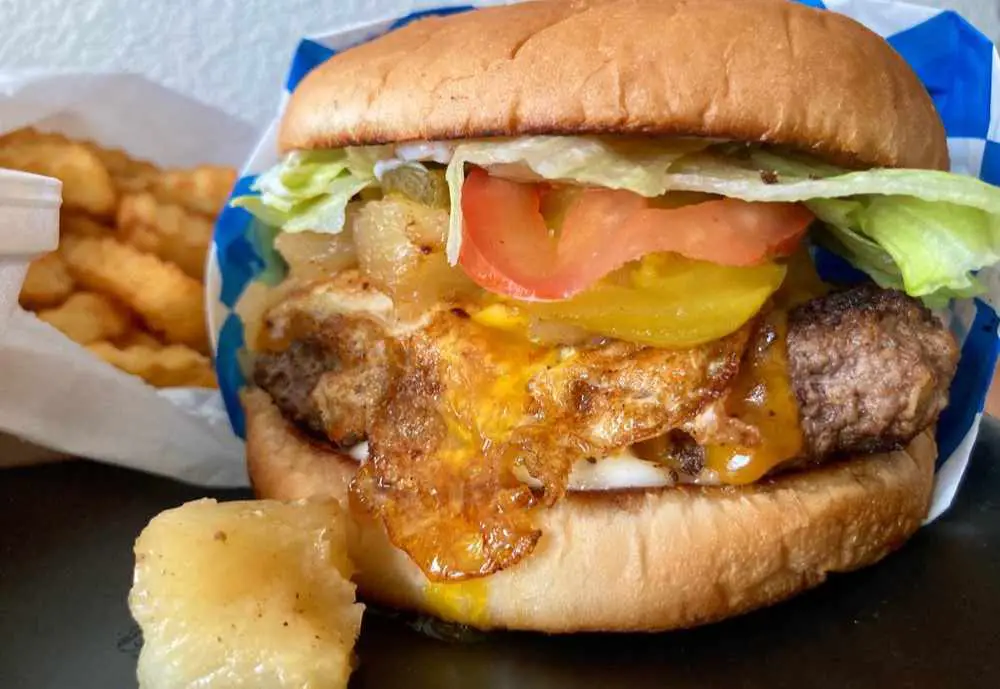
400, 248
318, 255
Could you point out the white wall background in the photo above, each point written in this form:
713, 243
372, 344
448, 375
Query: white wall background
228, 53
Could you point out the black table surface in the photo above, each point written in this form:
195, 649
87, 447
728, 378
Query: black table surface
927, 616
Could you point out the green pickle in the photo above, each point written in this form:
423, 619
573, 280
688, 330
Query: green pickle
417, 183
667, 301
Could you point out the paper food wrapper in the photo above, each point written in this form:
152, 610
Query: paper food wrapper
53, 392
97, 412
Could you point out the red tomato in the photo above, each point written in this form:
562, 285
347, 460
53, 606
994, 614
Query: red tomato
507, 248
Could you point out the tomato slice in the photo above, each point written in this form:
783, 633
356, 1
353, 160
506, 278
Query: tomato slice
507, 248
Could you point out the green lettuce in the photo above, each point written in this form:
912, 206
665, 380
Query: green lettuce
929, 249
310, 190
839, 215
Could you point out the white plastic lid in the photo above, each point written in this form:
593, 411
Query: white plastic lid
29, 228
29, 214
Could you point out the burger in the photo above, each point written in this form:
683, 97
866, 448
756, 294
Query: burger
610, 314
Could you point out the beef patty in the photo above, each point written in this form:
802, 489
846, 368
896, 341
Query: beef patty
331, 380
454, 410
870, 367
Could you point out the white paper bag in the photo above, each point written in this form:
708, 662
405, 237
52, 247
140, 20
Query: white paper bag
52, 391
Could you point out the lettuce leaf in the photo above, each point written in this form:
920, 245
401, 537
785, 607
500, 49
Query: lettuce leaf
326, 212
929, 249
865, 254
310, 190
925, 231
711, 174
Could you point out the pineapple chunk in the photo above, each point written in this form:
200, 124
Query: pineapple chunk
245, 594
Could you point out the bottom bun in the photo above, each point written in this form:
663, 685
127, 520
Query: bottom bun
638, 560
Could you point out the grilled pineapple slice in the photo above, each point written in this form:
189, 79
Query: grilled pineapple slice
245, 594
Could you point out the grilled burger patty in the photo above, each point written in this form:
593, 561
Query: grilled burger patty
470, 427
870, 369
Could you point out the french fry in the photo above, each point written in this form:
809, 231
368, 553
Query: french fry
129, 174
135, 238
80, 225
87, 185
87, 317
202, 189
139, 338
47, 283
169, 301
166, 367
167, 230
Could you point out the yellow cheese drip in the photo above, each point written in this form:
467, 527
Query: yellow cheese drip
464, 601
761, 396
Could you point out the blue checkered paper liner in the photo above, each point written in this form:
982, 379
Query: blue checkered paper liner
958, 65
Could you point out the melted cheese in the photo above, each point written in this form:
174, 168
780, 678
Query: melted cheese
762, 397
465, 601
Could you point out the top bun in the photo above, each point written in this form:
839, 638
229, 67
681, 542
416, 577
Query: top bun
750, 70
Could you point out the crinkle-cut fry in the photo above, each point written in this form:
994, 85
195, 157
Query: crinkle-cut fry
203, 189
87, 317
172, 366
47, 284
87, 184
139, 338
81, 225
118, 161
167, 230
169, 301
129, 174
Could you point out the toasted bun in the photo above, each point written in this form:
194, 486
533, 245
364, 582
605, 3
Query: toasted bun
749, 70
642, 560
